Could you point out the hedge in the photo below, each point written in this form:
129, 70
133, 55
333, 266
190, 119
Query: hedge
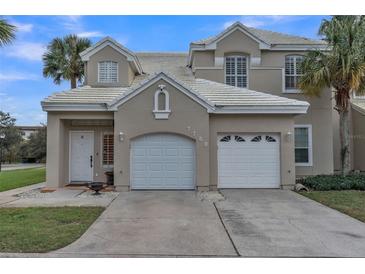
334, 182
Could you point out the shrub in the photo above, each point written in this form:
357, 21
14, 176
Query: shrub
334, 182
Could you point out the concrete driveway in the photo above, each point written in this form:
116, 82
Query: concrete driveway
158, 223
279, 223
249, 223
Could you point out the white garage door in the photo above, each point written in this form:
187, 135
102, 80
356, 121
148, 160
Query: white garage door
162, 161
249, 161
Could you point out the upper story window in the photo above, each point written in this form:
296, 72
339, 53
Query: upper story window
293, 71
107, 72
236, 71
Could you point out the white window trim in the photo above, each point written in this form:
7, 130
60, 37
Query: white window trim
235, 75
101, 149
291, 90
162, 114
99, 72
310, 145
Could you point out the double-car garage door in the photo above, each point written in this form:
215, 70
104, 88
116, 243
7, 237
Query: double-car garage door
168, 161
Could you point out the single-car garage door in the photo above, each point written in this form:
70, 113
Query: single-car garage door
249, 161
162, 161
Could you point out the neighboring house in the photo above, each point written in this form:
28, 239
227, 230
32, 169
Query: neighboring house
357, 144
26, 131
225, 115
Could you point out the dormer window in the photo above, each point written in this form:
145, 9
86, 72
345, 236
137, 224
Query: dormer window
108, 72
161, 103
236, 71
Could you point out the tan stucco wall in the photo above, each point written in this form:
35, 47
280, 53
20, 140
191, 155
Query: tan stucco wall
267, 76
203, 58
58, 130
358, 126
281, 124
125, 73
135, 118
237, 41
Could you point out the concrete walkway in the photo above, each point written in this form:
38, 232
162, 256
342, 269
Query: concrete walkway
30, 196
279, 223
5, 167
10, 195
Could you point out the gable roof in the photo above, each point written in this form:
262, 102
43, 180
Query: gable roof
267, 36
268, 40
216, 97
149, 81
359, 105
236, 26
108, 41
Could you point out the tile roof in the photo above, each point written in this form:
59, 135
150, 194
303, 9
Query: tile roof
174, 66
359, 105
269, 37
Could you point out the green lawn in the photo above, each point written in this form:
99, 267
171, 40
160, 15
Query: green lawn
21, 177
350, 202
42, 229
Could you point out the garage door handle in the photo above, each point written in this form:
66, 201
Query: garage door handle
91, 161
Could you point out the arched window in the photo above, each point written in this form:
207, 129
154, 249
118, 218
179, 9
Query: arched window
256, 139
225, 139
239, 139
161, 103
270, 139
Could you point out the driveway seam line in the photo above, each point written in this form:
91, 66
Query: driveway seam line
225, 228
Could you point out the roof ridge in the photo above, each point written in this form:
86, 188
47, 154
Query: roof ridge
285, 34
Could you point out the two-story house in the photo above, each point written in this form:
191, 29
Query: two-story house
225, 115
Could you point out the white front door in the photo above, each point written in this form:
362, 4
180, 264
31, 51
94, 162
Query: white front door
81, 156
162, 161
249, 160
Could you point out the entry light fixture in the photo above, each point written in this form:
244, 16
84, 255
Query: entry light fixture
121, 136
289, 136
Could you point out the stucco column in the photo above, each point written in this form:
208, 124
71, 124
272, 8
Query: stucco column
287, 154
55, 151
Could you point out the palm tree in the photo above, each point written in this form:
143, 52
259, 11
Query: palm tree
341, 68
7, 32
62, 60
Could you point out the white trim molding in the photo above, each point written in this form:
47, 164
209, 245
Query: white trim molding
108, 41
113, 106
157, 111
109, 81
310, 145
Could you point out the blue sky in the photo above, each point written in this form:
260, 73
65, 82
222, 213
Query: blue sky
22, 85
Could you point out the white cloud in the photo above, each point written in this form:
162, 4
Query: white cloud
22, 27
71, 22
26, 50
261, 21
90, 34
74, 24
17, 76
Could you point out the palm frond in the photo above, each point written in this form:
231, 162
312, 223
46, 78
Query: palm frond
7, 32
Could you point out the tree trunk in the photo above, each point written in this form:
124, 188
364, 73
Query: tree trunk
345, 141
73, 82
